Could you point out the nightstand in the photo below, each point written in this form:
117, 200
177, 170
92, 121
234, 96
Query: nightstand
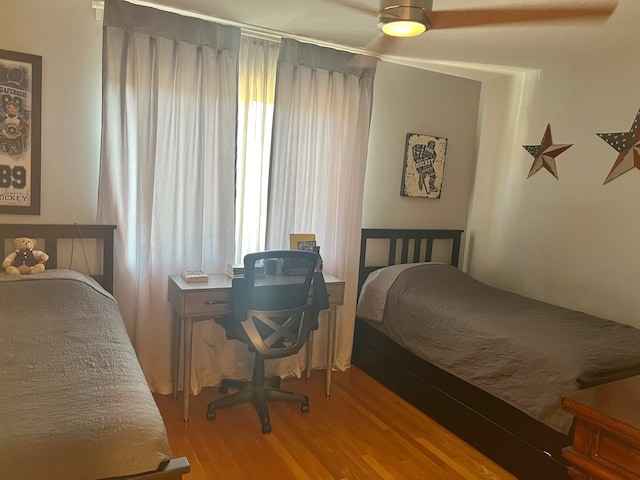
606, 441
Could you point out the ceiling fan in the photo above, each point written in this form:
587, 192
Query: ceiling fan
406, 18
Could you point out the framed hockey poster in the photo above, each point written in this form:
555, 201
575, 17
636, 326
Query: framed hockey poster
423, 167
20, 103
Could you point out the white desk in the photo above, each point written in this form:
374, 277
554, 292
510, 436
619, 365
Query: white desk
194, 302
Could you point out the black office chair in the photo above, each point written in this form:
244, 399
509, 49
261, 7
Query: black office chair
274, 311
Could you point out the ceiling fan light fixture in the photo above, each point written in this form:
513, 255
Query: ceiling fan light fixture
403, 28
404, 18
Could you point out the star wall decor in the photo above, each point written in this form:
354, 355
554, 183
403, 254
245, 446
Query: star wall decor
545, 154
628, 145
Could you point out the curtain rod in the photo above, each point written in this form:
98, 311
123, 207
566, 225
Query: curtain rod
249, 30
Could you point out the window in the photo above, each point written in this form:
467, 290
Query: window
256, 90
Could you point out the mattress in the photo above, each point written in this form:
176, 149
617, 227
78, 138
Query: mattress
526, 352
74, 403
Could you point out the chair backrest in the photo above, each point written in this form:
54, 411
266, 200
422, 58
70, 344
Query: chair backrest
275, 303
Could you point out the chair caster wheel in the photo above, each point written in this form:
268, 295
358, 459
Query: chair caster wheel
266, 428
211, 414
305, 407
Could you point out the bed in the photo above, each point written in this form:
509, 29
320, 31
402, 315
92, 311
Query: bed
489, 365
74, 403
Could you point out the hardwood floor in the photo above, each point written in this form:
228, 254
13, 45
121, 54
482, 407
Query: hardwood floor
362, 432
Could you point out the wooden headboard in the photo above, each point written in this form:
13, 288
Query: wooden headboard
406, 246
51, 233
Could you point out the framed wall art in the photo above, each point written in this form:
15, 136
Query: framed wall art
423, 168
20, 103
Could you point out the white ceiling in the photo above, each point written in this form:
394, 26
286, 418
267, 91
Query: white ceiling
330, 22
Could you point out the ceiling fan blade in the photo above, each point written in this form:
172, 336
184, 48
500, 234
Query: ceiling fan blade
478, 17
380, 44
354, 6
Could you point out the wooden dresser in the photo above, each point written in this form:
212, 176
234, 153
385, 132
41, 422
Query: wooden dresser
606, 442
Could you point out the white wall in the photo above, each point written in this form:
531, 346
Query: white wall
502, 101
412, 100
68, 37
573, 241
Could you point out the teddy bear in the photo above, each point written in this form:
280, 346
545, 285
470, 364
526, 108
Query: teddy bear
24, 260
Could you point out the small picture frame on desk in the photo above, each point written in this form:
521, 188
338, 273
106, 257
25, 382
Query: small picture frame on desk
298, 239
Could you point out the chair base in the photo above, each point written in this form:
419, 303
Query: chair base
227, 383
257, 392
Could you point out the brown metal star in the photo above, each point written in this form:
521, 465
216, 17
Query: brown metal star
628, 144
545, 154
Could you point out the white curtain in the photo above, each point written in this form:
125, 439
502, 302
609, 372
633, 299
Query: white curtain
321, 132
167, 172
256, 90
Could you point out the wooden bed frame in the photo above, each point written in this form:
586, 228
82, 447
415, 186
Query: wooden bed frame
522, 445
51, 233
172, 469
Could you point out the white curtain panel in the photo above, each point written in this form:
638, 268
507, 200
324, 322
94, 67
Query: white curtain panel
167, 173
320, 137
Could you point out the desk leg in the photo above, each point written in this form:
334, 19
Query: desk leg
309, 354
176, 331
331, 345
187, 335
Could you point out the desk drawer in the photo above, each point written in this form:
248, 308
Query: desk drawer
336, 293
206, 302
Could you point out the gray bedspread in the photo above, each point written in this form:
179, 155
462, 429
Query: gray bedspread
525, 352
74, 404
